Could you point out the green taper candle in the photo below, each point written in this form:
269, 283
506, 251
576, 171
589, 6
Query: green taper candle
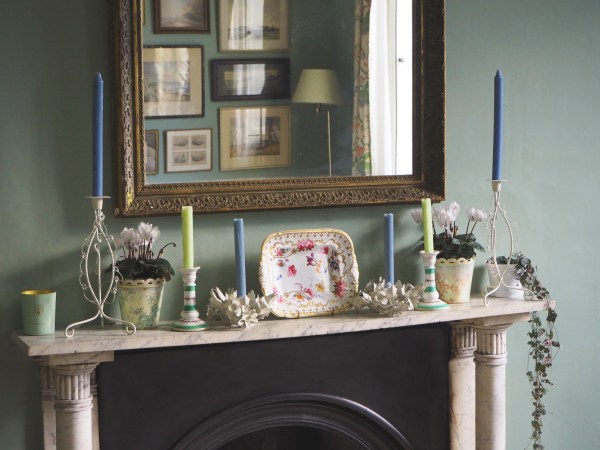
427, 225
187, 225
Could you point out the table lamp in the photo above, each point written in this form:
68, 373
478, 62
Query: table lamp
321, 87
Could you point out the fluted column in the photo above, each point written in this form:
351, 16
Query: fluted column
490, 374
462, 387
73, 404
47, 397
95, 421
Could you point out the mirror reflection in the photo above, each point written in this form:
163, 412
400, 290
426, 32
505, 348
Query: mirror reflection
233, 135
228, 103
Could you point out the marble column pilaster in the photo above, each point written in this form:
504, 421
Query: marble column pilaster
69, 403
490, 387
47, 399
73, 404
461, 369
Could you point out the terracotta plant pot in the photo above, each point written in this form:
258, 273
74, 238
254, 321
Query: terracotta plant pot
453, 279
140, 301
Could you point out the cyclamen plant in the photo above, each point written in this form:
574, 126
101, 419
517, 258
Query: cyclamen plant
448, 242
138, 261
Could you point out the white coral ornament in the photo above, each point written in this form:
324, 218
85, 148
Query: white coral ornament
238, 311
383, 298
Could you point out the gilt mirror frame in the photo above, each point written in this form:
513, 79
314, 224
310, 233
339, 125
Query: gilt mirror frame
136, 198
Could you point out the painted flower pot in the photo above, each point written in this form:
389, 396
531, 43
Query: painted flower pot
140, 301
453, 279
511, 288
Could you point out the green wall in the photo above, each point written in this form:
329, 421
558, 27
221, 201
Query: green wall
548, 51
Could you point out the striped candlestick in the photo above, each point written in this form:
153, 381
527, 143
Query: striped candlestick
431, 298
190, 318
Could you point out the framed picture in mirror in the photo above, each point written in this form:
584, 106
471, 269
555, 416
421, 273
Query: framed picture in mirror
254, 137
151, 147
181, 16
250, 26
173, 81
188, 150
250, 79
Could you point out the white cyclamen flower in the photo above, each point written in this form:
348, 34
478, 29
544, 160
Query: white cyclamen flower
444, 217
128, 237
417, 215
476, 215
455, 209
119, 242
147, 232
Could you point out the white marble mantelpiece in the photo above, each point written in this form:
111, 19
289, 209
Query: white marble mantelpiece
68, 364
113, 338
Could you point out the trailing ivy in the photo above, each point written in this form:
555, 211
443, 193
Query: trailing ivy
543, 342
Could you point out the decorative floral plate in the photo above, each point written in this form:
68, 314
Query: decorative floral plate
311, 272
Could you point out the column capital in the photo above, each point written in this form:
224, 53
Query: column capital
463, 340
491, 344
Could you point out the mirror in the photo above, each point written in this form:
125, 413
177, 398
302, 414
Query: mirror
301, 184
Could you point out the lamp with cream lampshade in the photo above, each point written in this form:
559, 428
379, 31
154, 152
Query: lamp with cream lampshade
321, 87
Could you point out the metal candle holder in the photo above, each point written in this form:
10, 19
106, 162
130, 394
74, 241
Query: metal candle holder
94, 294
190, 318
431, 298
498, 212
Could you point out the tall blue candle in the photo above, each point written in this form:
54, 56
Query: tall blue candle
97, 137
498, 112
240, 257
388, 243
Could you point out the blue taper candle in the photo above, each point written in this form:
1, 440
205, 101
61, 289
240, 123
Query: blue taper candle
498, 112
240, 257
97, 136
389, 247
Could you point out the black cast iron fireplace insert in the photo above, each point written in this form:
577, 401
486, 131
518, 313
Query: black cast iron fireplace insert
384, 389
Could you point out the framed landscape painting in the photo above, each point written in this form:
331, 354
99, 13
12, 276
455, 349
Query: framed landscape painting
250, 79
251, 26
181, 16
173, 81
255, 137
188, 150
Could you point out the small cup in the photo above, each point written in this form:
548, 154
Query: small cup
39, 310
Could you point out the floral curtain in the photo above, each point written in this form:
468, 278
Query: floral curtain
361, 129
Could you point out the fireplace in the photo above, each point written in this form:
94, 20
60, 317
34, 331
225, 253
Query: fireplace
384, 389
421, 380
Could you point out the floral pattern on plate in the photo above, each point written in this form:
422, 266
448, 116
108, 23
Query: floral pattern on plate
311, 272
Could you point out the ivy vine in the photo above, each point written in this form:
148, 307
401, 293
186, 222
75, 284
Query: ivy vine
543, 342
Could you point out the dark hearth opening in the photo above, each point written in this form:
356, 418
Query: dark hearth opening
383, 389
295, 422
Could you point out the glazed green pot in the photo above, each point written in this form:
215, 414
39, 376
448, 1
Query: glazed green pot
140, 301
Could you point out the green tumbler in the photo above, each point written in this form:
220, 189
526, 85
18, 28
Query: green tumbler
39, 310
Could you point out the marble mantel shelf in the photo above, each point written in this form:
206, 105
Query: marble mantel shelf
111, 338
477, 358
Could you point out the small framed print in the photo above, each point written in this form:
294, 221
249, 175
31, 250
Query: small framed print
250, 79
251, 26
188, 150
254, 137
151, 151
181, 16
173, 81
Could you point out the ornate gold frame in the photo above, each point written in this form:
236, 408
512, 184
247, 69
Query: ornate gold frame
135, 198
